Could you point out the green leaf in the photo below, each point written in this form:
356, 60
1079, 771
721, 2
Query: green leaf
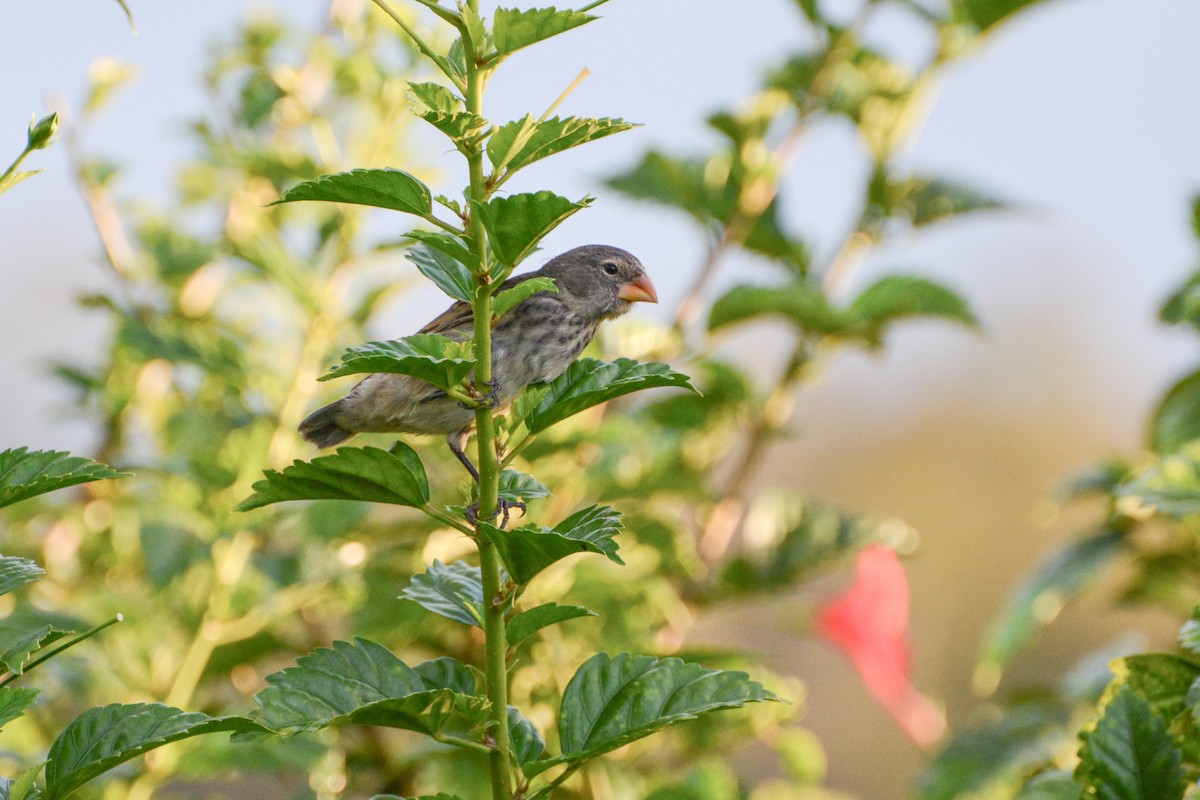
1183, 307
365, 684
1130, 755
27, 473
516, 223
1176, 421
453, 590
801, 302
128, 16
429, 356
1189, 634
1161, 679
442, 109
513, 28
454, 246
984, 14
13, 178
450, 275
1052, 785
102, 738
16, 572
919, 201
529, 549
13, 702
526, 741
1040, 597
380, 188
896, 297
589, 382
996, 751
614, 700
518, 144
19, 639
504, 301
24, 787
518, 487
352, 473
527, 623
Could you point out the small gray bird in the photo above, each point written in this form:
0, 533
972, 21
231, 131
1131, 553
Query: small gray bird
535, 341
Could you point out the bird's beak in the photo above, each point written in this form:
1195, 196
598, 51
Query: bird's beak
638, 290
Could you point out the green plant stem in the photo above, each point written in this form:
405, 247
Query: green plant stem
496, 640
13, 166
65, 645
421, 44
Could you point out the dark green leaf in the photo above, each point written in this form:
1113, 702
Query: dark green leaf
16, 572
919, 201
454, 590
1176, 421
896, 297
13, 702
451, 275
801, 302
519, 487
527, 742
983, 14
520, 143
19, 639
380, 188
102, 738
1161, 679
1183, 307
364, 683
516, 223
589, 382
529, 549
529, 622
1042, 595
1052, 786
614, 700
513, 28
454, 246
1130, 755
352, 473
504, 301
429, 356
27, 473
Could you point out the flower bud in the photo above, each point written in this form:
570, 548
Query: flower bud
40, 132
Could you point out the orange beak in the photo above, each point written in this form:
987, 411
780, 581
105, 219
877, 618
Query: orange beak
638, 290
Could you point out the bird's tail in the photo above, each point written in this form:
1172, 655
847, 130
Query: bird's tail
321, 428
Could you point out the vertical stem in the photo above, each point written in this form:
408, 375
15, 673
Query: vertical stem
496, 644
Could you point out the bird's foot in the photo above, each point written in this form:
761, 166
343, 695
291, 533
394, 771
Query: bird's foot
481, 399
503, 507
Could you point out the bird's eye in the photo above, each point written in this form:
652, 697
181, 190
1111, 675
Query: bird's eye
609, 268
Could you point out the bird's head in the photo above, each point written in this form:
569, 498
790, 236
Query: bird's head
600, 281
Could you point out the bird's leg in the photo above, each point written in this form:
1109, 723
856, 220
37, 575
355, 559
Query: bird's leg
455, 442
488, 399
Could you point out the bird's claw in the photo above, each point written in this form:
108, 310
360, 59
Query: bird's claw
502, 510
488, 399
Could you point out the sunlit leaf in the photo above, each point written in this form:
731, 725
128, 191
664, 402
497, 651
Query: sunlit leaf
13, 178
529, 549
614, 700
442, 109
589, 382
527, 623
16, 572
352, 473
516, 223
102, 738
381, 188
26, 473
505, 300
13, 702
453, 590
1163, 680
1129, 755
526, 740
520, 143
428, 356
513, 28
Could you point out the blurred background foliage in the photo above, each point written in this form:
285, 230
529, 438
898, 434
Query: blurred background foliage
224, 310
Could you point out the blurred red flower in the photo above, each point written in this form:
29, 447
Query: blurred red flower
869, 622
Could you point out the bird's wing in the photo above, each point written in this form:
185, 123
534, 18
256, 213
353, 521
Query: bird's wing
459, 315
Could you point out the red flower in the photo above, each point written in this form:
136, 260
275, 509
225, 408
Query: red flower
869, 622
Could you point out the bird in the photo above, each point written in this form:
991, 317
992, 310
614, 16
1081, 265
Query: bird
534, 341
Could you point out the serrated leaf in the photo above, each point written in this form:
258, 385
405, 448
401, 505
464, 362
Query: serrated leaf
352, 473
453, 590
801, 302
614, 700
589, 382
518, 487
16, 572
13, 702
454, 247
380, 188
524, 737
897, 297
1130, 755
529, 622
1040, 596
513, 29
442, 109
101, 738
429, 356
529, 549
24, 787
1176, 421
27, 473
364, 683
504, 301
520, 143
516, 223
1163, 680
20, 639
